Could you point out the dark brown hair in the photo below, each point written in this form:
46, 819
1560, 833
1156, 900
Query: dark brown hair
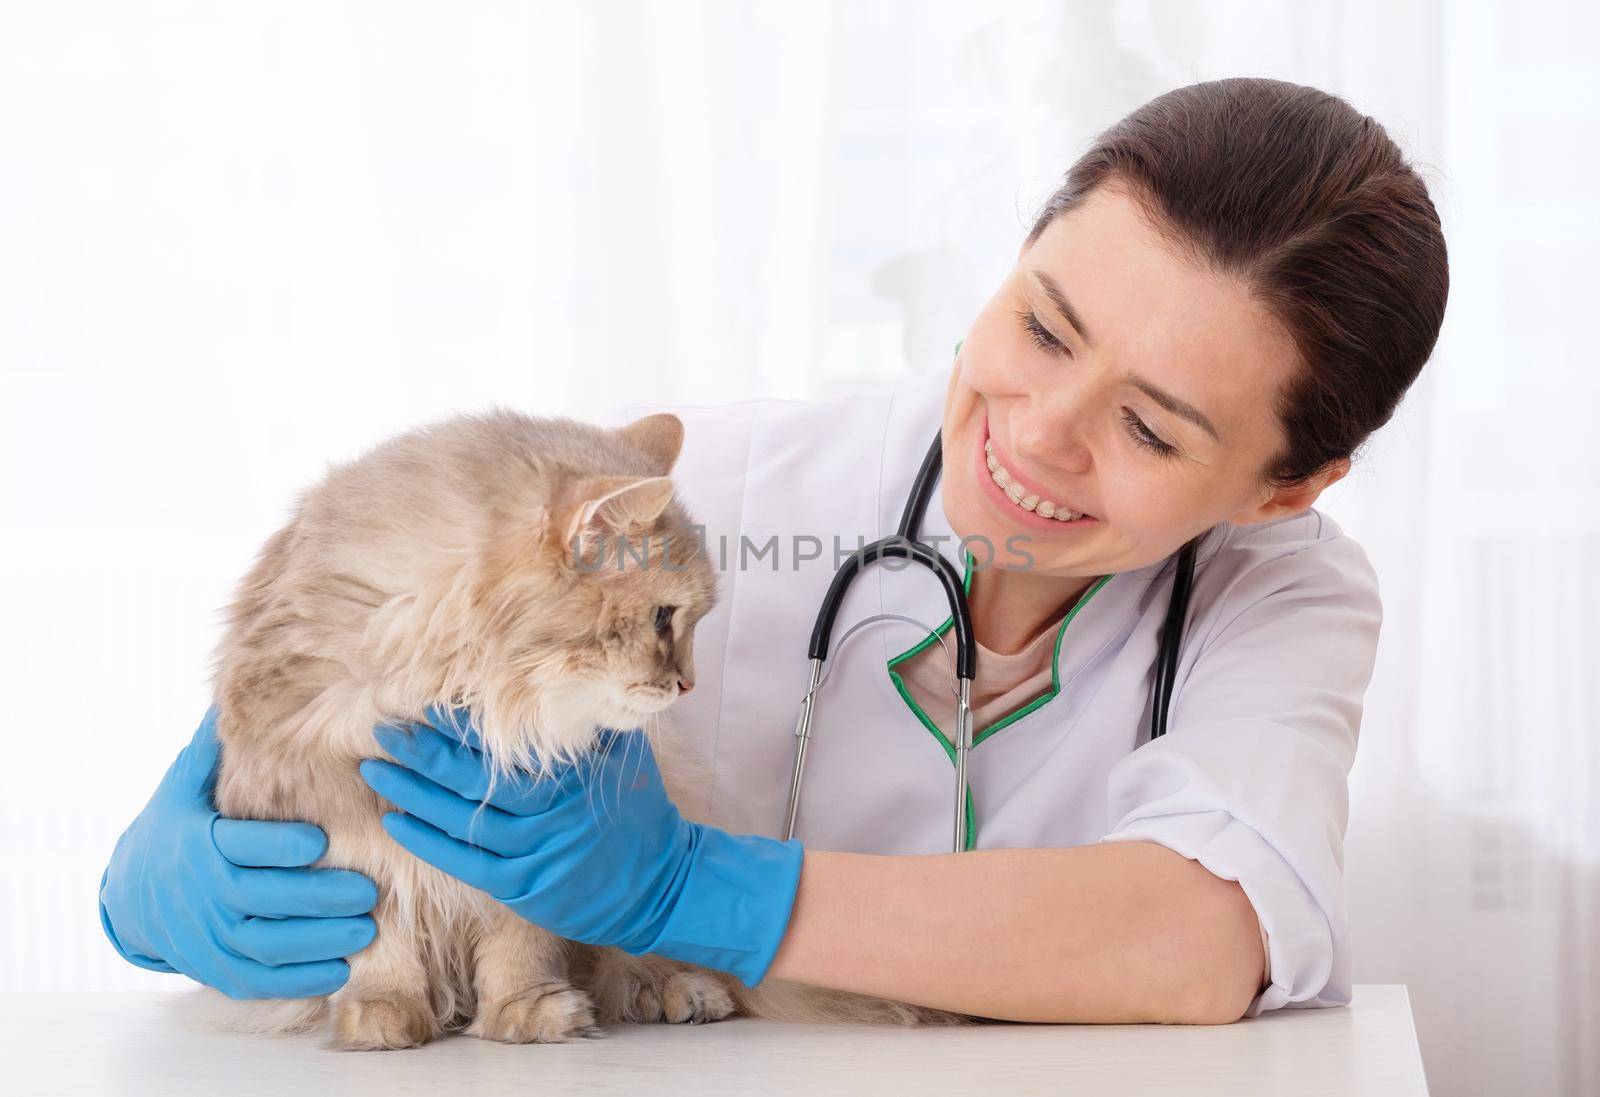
1310, 203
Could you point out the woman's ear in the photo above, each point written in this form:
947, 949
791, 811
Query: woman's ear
659, 436
1279, 502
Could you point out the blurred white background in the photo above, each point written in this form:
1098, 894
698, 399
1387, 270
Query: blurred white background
239, 241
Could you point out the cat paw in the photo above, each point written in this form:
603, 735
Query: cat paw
555, 1014
694, 996
630, 992
381, 1024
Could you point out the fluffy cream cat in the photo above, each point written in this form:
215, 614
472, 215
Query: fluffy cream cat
452, 564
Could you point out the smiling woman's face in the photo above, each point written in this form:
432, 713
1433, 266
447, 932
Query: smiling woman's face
1088, 412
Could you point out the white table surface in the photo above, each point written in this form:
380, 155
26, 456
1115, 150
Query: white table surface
133, 1043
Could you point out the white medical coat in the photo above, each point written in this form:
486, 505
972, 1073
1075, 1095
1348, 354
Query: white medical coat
1250, 779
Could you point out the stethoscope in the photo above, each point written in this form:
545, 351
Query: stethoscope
903, 543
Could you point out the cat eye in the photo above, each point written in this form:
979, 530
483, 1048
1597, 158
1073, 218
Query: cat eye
664, 618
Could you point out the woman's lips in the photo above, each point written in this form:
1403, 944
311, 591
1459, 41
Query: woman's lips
1002, 501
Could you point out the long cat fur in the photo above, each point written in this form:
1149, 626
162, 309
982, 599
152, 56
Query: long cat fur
443, 567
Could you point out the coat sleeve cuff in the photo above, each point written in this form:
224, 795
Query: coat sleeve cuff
1305, 948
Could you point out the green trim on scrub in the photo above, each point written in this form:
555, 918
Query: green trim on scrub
931, 638
1009, 718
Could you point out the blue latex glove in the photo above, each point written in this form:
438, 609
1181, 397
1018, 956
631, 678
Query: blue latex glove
226, 901
593, 851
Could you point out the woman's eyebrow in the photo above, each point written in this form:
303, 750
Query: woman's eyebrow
1175, 406
1065, 306
1168, 401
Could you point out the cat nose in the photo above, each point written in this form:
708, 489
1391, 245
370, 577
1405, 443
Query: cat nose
685, 685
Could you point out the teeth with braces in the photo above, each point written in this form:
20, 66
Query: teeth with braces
1019, 495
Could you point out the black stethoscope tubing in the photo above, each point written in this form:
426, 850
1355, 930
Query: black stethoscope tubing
903, 543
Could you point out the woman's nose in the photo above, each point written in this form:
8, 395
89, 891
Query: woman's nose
1051, 440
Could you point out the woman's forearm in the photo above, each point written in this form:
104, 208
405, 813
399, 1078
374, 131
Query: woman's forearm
1114, 932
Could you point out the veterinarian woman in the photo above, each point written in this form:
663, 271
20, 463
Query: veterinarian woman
1231, 290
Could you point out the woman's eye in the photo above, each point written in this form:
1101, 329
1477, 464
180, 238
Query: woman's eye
1039, 334
664, 618
1142, 436
1041, 338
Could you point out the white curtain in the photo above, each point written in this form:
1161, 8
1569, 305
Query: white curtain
240, 241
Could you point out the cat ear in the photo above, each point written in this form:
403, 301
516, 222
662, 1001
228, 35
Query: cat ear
659, 436
617, 503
